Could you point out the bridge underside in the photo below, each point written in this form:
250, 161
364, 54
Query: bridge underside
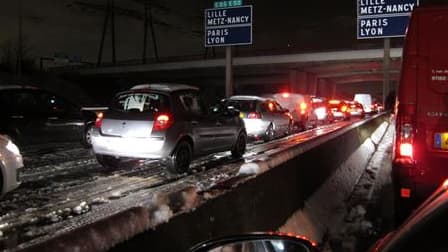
335, 75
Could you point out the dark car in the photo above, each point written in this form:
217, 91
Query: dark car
424, 230
31, 116
340, 109
168, 122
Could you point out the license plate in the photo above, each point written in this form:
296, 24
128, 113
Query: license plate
441, 141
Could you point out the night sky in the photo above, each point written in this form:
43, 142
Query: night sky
73, 28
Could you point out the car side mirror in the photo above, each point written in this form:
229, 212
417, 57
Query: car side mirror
257, 242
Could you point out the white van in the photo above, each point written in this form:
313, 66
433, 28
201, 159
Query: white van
366, 101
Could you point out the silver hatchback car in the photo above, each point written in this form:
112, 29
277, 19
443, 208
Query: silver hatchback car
167, 122
11, 164
264, 118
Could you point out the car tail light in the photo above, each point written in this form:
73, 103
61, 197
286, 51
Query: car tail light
303, 107
162, 122
254, 115
99, 120
344, 108
285, 95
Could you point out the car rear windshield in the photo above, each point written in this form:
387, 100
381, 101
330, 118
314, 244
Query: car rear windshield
141, 102
242, 105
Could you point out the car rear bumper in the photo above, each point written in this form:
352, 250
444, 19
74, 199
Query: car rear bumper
354, 114
13, 168
132, 147
256, 127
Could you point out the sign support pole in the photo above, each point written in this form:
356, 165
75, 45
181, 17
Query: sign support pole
386, 68
229, 71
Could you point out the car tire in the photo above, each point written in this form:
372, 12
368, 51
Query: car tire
239, 147
108, 162
87, 136
269, 134
180, 159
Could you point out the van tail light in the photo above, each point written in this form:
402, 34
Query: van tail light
406, 150
405, 134
254, 115
99, 120
162, 122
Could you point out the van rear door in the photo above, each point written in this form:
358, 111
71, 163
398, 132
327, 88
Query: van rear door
432, 84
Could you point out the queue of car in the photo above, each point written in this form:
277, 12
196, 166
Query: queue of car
169, 122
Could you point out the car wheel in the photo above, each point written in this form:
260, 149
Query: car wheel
108, 162
87, 136
240, 146
269, 134
179, 161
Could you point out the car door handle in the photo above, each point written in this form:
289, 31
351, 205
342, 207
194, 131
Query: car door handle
194, 122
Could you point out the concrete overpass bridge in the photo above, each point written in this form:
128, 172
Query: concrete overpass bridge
330, 74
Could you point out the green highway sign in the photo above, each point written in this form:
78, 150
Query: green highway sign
227, 3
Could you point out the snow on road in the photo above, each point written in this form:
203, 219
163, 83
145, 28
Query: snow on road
64, 188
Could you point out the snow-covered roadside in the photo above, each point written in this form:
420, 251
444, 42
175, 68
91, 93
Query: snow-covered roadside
323, 214
369, 206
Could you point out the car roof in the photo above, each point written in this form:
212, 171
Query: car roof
8, 87
165, 87
248, 98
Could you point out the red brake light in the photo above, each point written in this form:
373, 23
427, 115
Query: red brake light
334, 102
254, 115
271, 106
405, 132
99, 120
285, 95
162, 122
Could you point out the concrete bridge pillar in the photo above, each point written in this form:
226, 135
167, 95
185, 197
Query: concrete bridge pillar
333, 90
312, 84
298, 81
